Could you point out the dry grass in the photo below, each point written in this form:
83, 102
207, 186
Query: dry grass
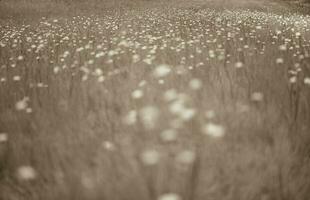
200, 103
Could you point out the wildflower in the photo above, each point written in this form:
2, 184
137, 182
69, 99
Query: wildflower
187, 114
142, 83
108, 145
279, 61
3, 137
162, 71
214, 130
238, 64
177, 107
28, 110
131, 117
20, 58
26, 173
257, 96
170, 95
22, 104
169, 196
195, 84
161, 81
135, 58
282, 47
56, 70
169, 135
307, 81
150, 157
16, 78
90, 62
101, 79
258, 27
149, 116
293, 79
137, 94
99, 54
98, 72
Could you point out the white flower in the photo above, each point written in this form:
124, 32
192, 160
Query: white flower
137, 94
16, 78
195, 84
101, 79
257, 96
22, 104
150, 157
98, 72
293, 79
26, 173
282, 47
170, 95
3, 137
169, 135
56, 70
142, 83
135, 58
169, 196
238, 65
131, 117
20, 57
307, 81
279, 61
214, 130
149, 116
187, 114
108, 145
177, 107
162, 71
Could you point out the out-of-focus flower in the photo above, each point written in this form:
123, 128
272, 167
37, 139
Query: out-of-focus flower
195, 84
169, 196
169, 135
108, 145
131, 117
162, 71
3, 137
282, 47
16, 78
307, 81
137, 94
170, 95
213, 130
26, 173
149, 116
22, 104
238, 65
257, 96
279, 60
150, 157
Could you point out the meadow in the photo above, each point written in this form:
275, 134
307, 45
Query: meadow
156, 103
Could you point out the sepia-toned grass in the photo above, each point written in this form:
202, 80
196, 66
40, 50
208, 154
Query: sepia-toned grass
156, 103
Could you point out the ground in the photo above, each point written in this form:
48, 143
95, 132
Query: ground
183, 100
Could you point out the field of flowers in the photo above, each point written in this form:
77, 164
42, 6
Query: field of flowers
168, 104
